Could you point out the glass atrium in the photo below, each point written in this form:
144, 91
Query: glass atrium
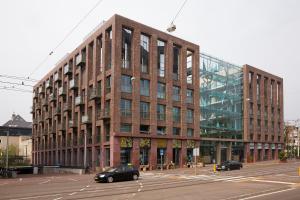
221, 94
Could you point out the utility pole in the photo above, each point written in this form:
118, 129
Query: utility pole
7, 146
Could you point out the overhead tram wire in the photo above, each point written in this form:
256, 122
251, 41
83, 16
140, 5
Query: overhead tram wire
18, 78
64, 39
14, 83
14, 89
172, 26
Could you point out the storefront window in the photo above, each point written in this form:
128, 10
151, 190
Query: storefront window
144, 156
125, 155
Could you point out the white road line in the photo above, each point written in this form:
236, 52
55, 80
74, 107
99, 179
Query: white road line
82, 189
72, 193
36, 197
58, 198
139, 189
88, 186
3, 184
45, 182
265, 194
72, 179
279, 182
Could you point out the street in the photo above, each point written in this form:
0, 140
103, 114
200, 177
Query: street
265, 180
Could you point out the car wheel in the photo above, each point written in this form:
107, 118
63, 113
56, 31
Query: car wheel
110, 179
135, 177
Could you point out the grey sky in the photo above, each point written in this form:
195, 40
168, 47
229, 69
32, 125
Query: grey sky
262, 33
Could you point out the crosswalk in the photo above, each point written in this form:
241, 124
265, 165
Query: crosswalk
211, 178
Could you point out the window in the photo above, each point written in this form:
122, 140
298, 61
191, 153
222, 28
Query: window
176, 62
144, 156
161, 90
144, 54
126, 48
144, 110
109, 48
107, 157
161, 130
125, 127
125, 155
258, 88
189, 116
160, 58
176, 114
125, 106
126, 85
145, 87
190, 132
189, 67
107, 132
176, 131
176, 93
108, 84
144, 128
99, 53
161, 112
189, 96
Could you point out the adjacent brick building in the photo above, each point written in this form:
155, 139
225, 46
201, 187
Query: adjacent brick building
128, 93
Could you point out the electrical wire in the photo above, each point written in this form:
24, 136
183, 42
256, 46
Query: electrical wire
14, 83
178, 11
14, 89
66, 37
18, 78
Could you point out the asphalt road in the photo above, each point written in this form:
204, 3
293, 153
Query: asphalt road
256, 181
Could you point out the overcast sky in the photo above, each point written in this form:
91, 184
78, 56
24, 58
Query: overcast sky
262, 33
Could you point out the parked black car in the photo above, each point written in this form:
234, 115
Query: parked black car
121, 173
230, 165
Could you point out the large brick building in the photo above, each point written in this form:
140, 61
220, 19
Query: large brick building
128, 93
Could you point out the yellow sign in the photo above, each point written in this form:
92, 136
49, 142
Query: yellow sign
161, 143
125, 142
190, 144
145, 142
176, 143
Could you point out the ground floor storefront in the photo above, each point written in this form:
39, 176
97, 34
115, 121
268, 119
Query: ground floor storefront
156, 153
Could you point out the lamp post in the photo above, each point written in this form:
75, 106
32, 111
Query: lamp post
7, 146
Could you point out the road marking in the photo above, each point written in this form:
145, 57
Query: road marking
82, 189
266, 194
58, 198
72, 193
20, 179
45, 182
36, 197
279, 182
72, 179
3, 184
88, 186
139, 189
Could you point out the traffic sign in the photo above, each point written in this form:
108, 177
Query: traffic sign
161, 152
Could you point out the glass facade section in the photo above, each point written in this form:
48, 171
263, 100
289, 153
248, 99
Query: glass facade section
126, 47
161, 90
125, 107
144, 54
176, 93
145, 87
126, 84
221, 98
161, 58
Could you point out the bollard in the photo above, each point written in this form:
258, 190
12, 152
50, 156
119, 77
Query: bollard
215, 168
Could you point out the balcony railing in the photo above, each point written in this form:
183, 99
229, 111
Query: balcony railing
62, 126
61, 91
80, 60
48, 84
48, 115
52, 97
103, 114
57, 77
85, 119
72, 123
45, 102
73, 84
67, 69
79, 101
57, 111
67, 107
95, 93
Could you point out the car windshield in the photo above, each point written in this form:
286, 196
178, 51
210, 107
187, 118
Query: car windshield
111, 169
